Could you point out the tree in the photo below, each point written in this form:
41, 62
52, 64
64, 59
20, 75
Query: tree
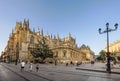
112, 58
99, 58
102, 54
42, 50
118, 58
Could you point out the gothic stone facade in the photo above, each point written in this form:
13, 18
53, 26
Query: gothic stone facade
22, 38
114, 48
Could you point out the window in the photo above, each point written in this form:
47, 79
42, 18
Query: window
71, 54
31, 40
56, 53
64, 53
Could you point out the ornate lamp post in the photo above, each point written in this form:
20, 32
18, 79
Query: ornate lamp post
108, 53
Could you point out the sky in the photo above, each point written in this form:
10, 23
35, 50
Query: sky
82, 18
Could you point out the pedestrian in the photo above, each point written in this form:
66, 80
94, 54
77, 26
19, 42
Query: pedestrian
92, 63
22, 65
115, 62
71, 63
30, 66
66, 64
37, 67
55, 62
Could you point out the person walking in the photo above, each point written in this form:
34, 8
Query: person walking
37, 67
66, 64
22, 65
30, 66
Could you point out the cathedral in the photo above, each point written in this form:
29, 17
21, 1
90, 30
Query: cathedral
22, 38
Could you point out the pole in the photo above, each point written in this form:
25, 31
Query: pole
108, 53
108, 69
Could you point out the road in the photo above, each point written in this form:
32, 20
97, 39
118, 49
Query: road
10, 72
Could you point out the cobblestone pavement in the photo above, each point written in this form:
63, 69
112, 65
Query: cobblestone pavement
50, 72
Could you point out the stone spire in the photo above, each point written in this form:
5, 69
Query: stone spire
26, 24
54, 37
69, 35
42, 32
38, 32
51, 36
47, 35
57, 36
38, 29
17, 27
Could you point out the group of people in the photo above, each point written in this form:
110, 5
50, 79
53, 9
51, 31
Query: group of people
30, 66
72, 63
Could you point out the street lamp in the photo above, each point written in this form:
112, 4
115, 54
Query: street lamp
108, 53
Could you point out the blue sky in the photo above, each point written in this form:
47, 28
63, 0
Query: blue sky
82, 18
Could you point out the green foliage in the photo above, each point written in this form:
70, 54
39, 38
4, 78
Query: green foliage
102, 56
113, 58
42, 50
99, 58
102, 53
118, 58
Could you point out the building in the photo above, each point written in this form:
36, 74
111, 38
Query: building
22, 38
114, 48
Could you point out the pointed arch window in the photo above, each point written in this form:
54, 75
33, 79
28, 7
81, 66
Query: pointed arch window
56, 54
64, 53
31, 40
71, 54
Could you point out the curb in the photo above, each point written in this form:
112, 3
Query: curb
97, 70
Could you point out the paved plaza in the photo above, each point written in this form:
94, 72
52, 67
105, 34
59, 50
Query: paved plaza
100, 67
60, 72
